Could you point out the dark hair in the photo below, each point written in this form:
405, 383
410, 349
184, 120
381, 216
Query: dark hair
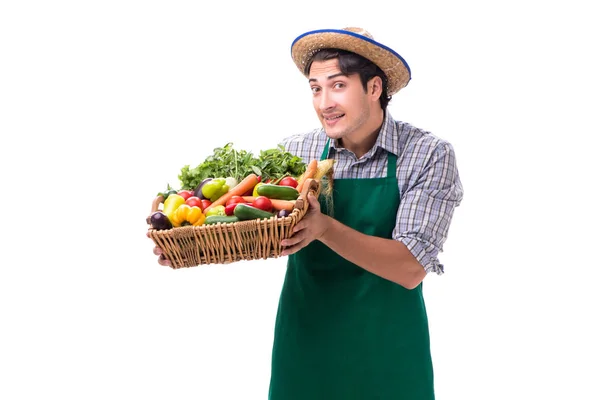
352, 63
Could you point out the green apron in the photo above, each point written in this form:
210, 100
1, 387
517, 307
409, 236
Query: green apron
342, 332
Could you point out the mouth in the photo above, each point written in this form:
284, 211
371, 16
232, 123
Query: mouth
332, 119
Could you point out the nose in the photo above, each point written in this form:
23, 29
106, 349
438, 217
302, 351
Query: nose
326, 101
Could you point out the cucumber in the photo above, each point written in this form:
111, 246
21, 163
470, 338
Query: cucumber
278, 192
246, 212
223, 219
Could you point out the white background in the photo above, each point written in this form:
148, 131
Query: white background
102, 104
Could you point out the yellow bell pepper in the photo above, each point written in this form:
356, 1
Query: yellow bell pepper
186, 215
255, 191
171, 204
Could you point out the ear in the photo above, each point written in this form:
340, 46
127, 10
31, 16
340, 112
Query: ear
375, 87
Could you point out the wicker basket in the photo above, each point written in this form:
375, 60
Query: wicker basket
191, 246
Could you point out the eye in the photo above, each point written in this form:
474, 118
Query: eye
338, 85
315, 89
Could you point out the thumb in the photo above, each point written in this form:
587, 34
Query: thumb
313, 202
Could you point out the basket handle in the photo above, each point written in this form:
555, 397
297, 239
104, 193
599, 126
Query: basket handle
310, 185
155, 203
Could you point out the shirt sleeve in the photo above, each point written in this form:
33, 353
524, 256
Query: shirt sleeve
427, 206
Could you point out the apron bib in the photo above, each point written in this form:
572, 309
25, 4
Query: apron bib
342, 332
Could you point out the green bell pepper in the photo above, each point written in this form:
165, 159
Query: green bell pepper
217, 210
214, 189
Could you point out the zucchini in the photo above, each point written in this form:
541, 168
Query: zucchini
277, 192
246, 212
223, 219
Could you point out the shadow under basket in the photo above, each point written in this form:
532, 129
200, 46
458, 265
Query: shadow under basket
224, 243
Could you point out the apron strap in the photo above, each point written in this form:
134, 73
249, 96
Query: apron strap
325, 153
391, 161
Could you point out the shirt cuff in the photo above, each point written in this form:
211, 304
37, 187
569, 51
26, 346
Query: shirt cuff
418, 249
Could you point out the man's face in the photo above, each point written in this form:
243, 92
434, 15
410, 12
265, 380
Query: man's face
340, 101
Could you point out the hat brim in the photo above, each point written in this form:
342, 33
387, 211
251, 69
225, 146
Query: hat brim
391, 63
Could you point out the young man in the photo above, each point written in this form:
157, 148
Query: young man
352, 322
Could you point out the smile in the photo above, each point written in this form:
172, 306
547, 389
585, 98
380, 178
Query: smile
333, 118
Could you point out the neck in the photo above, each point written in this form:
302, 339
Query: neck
361, 143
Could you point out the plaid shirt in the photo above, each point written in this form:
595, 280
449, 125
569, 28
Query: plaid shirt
428, 180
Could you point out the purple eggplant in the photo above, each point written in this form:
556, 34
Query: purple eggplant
159, 221
283, 213
198, 190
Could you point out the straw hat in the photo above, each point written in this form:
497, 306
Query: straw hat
356, 40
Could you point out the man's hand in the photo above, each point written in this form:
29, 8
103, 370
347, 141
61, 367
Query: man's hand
311, 227
161, 258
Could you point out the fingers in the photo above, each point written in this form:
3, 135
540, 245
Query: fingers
163, 261
299, 226
161, 257
294, 248
294, 240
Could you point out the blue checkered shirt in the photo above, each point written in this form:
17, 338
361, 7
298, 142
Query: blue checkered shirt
428, 180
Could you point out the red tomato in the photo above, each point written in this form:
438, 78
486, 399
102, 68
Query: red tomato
229, 208
205, 203
262, 202
186, 194
288, 181
235, 200
194, 201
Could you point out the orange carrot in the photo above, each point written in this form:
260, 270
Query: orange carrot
311, 170
245, 185
277, 203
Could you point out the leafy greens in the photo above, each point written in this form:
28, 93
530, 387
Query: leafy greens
229, 162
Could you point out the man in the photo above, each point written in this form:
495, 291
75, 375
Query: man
351, 322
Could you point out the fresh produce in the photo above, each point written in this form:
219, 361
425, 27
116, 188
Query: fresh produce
186, 193
232, 202
262, 203
229, 208
228, 162
324, 168
194, 202
159, 221
217, 210
255, 191
277, 204
216, 219
171, 204
198, 190
273, 191
311, 170
231, 181
167, 192
214, 189
205, 203
245, 184
185, 215
288, 181
237, 185
235, 200
246, 212
283, 213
